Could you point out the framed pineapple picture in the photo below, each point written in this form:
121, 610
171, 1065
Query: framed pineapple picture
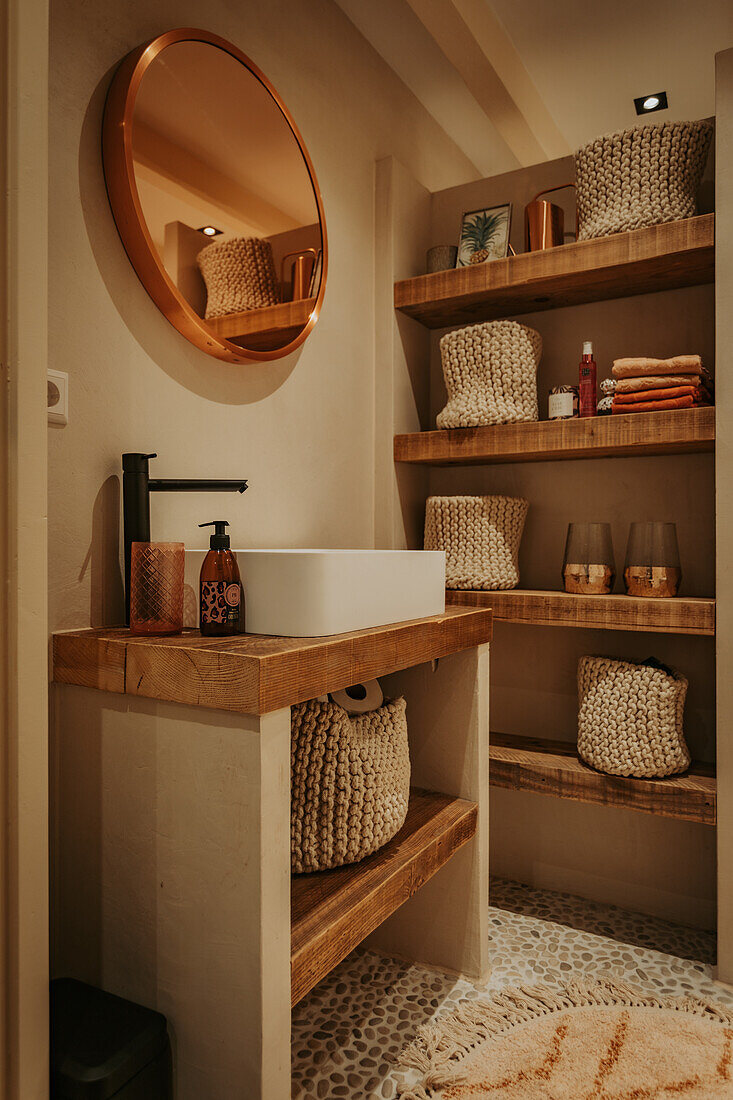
484, 235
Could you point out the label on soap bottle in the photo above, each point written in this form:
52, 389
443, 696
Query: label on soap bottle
220, 602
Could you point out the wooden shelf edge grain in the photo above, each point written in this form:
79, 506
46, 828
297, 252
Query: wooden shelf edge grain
258, 326
681, 615
661, 257
554, 768
255, 674
656, 433
333, 911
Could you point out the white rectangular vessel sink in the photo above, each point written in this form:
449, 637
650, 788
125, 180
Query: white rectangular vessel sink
312, 593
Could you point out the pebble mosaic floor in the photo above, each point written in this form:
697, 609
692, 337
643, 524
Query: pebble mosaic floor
348, 1031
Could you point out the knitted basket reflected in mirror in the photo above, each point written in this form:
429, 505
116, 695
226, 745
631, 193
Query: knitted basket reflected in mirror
630, 717
350, 782
490, 373
642, 176
480, 536
239, 275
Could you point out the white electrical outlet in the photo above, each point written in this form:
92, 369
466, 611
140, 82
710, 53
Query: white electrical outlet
58, 397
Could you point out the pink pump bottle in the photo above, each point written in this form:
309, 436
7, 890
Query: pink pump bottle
587, 379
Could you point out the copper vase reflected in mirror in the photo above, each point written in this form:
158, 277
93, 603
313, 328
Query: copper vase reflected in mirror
301, 272
588, 566
652, 561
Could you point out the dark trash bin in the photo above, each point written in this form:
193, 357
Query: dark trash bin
103, 1046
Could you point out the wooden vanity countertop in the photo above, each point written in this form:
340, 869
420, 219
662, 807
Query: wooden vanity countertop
254, 673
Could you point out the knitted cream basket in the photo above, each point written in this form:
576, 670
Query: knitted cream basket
642, 176
350, 781
630, 717
480, 536
239, 275
490, 373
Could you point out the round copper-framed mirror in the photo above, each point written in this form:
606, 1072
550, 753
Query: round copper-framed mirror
215, 196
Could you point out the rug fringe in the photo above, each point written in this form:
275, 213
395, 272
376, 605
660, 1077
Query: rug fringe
439, 1047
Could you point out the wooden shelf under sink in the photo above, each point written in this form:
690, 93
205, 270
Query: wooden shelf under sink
660, 257
256, 328
678, 431
554, 768
333, 911
681, 615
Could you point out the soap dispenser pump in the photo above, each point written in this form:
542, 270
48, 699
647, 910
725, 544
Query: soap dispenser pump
220, 587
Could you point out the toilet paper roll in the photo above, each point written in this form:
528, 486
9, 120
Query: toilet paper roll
359, 698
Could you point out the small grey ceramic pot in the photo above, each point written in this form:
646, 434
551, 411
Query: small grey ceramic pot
441, 257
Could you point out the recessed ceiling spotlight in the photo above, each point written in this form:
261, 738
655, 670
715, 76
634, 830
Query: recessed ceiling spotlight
210, 230
647, 103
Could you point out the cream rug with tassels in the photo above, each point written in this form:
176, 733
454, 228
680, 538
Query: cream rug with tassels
600, 1041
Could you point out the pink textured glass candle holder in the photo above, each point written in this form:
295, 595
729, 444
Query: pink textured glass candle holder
156, 587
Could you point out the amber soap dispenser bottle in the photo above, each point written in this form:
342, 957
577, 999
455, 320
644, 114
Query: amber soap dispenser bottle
220, 587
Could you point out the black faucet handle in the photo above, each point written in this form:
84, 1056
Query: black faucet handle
135, 463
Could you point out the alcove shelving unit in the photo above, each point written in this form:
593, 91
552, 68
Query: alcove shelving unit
665, 257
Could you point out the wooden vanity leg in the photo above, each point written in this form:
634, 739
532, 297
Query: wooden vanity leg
446, 922
172, 838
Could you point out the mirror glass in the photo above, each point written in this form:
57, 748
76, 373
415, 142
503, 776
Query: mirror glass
227, 196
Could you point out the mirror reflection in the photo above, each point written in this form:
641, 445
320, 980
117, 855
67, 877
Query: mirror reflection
226, 195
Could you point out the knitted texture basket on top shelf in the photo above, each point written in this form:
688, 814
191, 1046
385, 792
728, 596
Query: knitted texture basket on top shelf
490, 373
630, 717
642, 176
239, 275
480, 536
350, 780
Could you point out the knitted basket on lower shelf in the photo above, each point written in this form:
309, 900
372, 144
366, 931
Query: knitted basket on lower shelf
490, 373
630, 717
480, 536
350, 782
642, 176
239, 275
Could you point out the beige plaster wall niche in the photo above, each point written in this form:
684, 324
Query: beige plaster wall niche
301, 429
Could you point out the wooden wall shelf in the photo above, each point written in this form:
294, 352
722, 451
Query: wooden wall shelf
554, 768
333, 911
662, 257
682, 615
256, 328
655, 433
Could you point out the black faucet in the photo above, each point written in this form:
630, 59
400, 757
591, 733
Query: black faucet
137, 485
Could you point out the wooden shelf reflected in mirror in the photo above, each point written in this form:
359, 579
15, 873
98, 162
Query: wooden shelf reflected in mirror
256, 328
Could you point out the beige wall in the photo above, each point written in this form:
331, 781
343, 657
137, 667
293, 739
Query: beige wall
302, 429
23, 642
654, 865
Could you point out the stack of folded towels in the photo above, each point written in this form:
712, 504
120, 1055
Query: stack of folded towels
648, 385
